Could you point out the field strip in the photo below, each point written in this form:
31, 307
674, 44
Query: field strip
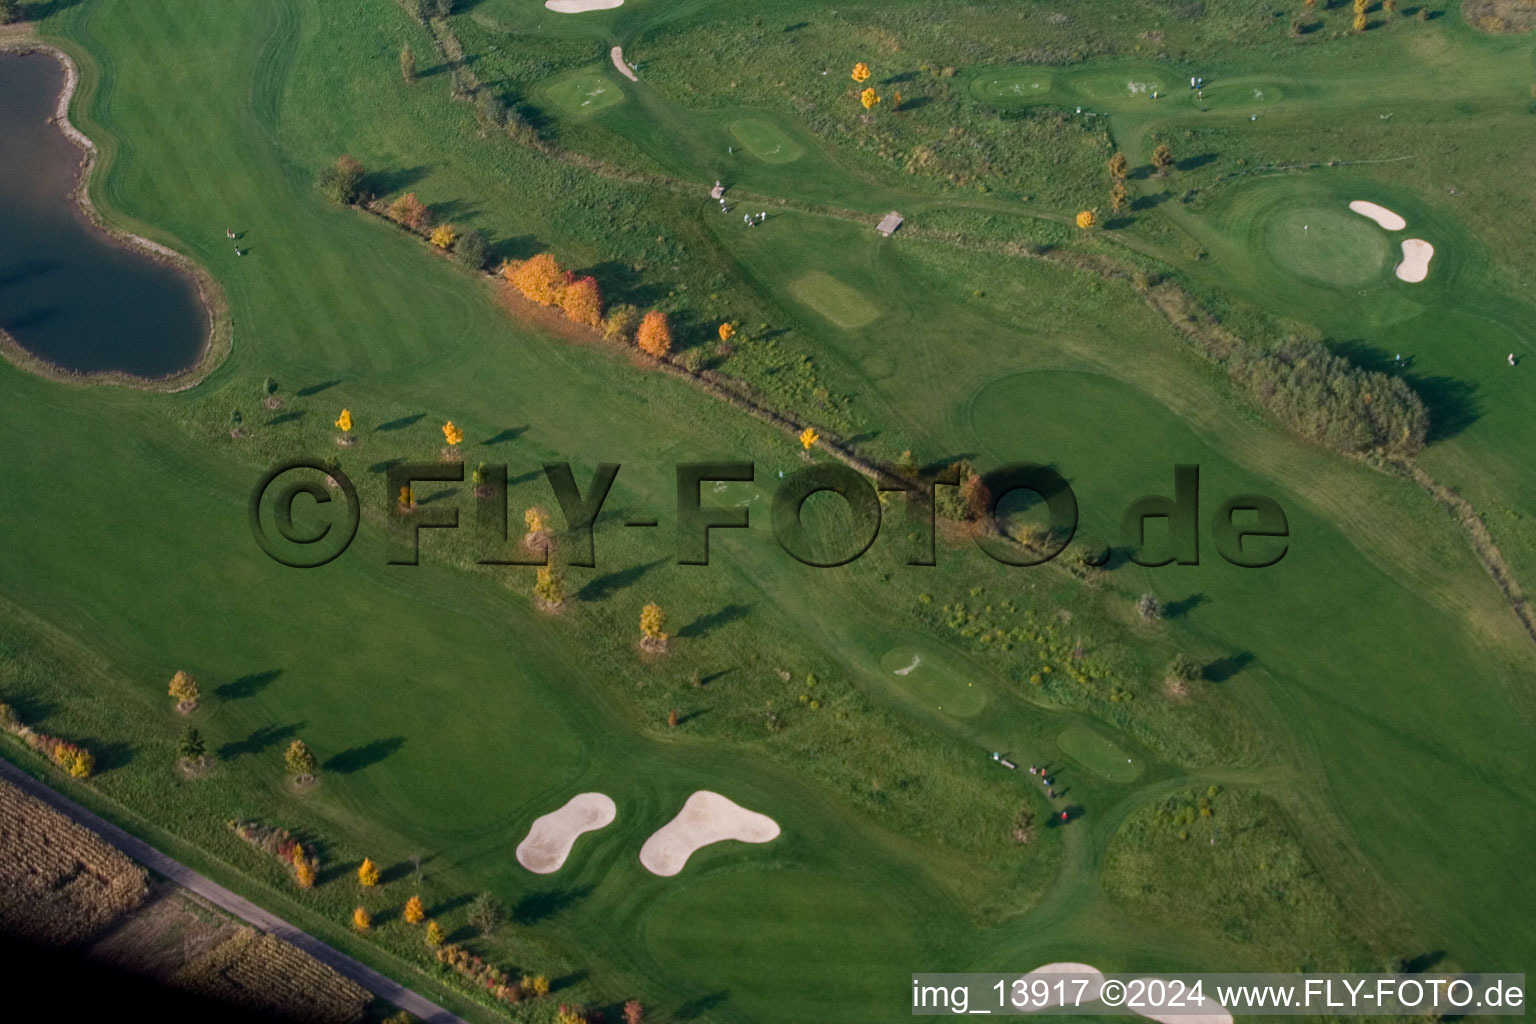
221, 897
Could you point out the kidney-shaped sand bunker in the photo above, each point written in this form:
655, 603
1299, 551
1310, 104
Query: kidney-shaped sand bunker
705, 818
552, 835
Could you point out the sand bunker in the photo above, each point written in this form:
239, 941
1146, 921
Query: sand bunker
1416, 256
1380, 214
550, 839
578, 6
1095, 978
617, 53
705, 818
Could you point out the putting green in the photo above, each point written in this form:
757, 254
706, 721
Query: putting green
833, 299
1327, 245
1240, 95
1014, 85
583, 93
1129, 84
766, 140
1098, 754
926, 675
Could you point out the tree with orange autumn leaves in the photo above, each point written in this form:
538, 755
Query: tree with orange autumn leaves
409, 212
582, 302
539, 278
655, 334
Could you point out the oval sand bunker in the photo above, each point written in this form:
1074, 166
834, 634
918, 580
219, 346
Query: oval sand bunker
578, 6
1416, 256
551, 837
705, 818
1380, 214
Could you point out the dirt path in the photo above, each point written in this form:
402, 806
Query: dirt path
242, 908
617, 53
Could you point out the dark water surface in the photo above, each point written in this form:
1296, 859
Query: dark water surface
68, 292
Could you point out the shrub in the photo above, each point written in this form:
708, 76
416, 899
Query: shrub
1149, 608
620, 324
342, 182
443, 236
409, 211
655, 335
472, 249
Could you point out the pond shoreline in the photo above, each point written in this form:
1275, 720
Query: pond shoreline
216, 346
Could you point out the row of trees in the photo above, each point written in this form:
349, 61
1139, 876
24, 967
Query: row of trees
346, 182
541, 279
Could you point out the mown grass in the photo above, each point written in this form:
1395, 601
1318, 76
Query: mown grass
466, 713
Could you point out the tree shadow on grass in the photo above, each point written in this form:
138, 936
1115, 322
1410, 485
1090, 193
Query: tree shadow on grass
315, 389
446, 492
260, 741
1149, 202
611, 583
450, 904
247, 685
620, 282
1222, 669
400, 423
1451, 403
706, 624
404, 869
286, 417
385, 466
1191, 163
1183, 606
357, 758
398, 179
503, 436
573, 978
696, 1008
109, 754
539, 906
517, 247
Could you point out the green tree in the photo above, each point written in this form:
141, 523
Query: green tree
408, 64
1149, 608
472, 249
1162, 158
485, 913
1118, 196
191, 747
342, 182
9, 12
1183, 669
300, 761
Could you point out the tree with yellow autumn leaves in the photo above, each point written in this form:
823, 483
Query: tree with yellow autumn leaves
367, 874
443, 236
1086, 219
861, 72
361, 919
184, 688
869, 98
808, 439
344, 424
454, 436
414, 912
539, 278
652, 623
727, 331
549, 587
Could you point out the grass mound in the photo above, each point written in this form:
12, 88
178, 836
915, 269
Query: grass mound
1327, 246
834, 300
766, 140
583, 94
1098, 754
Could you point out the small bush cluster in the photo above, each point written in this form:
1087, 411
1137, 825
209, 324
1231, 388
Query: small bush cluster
280, 843
490, 977
73, 758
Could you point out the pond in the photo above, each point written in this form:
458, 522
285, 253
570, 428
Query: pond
69, 293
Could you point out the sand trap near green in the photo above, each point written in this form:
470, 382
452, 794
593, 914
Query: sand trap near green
550, 838
581, 6
1380, 214
765, 140
1415, 264
1326, 245
583, 94
706, 818
1098, 754
833, 300
926, 675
